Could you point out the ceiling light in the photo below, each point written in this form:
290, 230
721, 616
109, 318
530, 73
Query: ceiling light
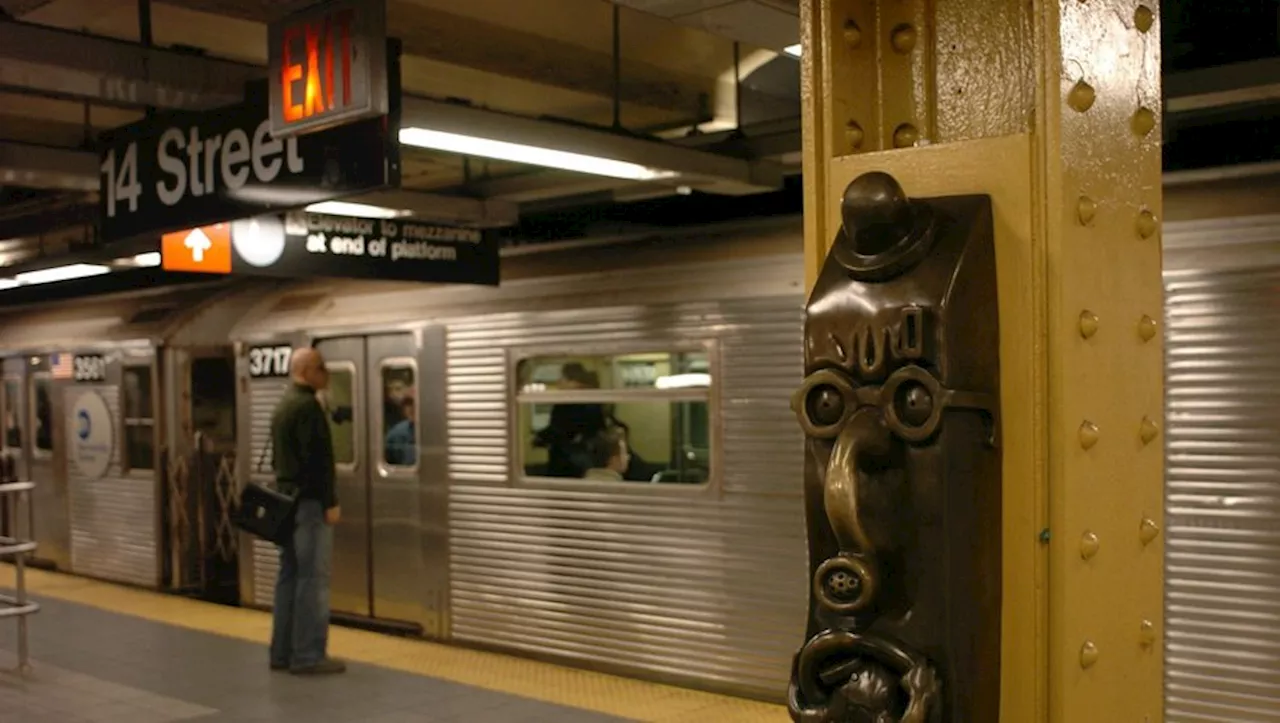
532, 155
359, 210
62, 273
8, 284
794, 51
151, 258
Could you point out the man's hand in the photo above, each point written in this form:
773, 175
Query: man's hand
332, 515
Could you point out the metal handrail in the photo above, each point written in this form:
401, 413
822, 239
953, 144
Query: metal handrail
17, 605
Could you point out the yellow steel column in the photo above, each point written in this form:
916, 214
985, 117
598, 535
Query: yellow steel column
1053, 109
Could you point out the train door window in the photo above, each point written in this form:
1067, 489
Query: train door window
42, 414
139, 419
399, 413
631, 417
213, 398
339, 401
12, 417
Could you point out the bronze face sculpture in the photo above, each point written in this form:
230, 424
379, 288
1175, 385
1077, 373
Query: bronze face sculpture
902, 472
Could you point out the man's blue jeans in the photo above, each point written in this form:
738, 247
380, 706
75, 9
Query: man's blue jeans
300, 618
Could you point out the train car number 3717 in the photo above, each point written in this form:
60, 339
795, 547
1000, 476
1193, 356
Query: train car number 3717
269, 361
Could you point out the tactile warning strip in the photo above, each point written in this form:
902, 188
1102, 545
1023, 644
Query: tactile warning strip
535, 680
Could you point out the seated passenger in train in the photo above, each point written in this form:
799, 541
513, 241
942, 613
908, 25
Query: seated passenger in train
609, 456
402, 441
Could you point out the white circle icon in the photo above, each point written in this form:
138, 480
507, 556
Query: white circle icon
91, 433
259, 241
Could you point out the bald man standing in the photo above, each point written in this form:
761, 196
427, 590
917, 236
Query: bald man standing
304, 466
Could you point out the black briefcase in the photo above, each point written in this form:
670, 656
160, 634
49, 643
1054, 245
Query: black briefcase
265, 513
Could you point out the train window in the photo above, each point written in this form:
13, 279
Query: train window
42, 413
339, 401
12, 417
399, 413
139, 419
636, 417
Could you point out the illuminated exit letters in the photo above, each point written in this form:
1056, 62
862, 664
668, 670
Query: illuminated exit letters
328, 66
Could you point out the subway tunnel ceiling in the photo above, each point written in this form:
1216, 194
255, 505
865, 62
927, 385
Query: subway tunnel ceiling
554, 60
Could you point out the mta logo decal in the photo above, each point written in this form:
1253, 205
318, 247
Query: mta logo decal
84, 426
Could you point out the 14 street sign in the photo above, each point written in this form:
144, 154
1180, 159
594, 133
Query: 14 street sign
191, 169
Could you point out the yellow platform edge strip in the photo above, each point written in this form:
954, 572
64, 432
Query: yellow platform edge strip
545, 682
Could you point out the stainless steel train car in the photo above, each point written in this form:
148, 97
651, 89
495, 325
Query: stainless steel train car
97, 397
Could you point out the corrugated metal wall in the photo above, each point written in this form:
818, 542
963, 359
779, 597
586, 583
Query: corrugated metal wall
264, 394
710, 587
1222, 283
113, 519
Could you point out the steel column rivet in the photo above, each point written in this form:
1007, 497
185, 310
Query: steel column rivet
905, 136
1088, 434
1088, 654
854, 134
1082, 96
1089, 545
1147, 633
1143, 121
1086, 209
903, 38
1148, 430
852, 34
1143, 18
1146, 328
1146, 224
1148, 530
1088, 323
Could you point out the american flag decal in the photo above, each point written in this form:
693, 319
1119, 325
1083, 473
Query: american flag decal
61, 366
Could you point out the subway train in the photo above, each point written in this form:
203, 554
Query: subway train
140, 414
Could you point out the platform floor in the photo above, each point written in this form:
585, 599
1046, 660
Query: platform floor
114, 654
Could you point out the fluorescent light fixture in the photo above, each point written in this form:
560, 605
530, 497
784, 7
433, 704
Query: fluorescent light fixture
532, 155
682, 381
359, 210
794, 51
9, 284
151, 258
62, 273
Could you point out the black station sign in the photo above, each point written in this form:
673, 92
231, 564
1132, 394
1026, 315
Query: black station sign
190, 169
301, 244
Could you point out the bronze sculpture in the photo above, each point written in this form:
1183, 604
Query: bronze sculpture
902, 476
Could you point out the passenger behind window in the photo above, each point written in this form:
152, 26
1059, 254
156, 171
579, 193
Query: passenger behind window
609, 456
12, 432
568, 434
402, 445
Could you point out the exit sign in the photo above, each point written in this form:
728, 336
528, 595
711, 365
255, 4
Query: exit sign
328, 66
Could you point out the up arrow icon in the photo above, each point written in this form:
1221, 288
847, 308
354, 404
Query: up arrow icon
198, 242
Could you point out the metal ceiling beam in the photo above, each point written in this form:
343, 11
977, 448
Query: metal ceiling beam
48, 168
61, 63
1225, 85
431, 207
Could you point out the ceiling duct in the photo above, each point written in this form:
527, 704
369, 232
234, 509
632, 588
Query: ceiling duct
772, 24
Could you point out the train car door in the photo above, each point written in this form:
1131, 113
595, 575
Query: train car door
46, 460
377, 562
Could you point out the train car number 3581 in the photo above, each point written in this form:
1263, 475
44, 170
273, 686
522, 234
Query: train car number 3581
269, 361
88, 368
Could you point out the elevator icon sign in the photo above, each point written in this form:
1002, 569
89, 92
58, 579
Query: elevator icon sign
205, 250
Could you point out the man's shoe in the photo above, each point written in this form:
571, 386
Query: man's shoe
328, 666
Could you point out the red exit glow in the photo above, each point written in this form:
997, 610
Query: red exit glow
310, 81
